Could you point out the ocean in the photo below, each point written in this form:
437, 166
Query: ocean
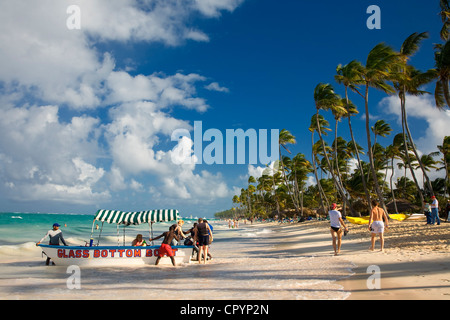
252, 262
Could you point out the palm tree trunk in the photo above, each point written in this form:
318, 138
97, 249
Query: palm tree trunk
361, 170
286, 181
405, 120
336, 183
319, 186
405, 143
392, 189
369, 150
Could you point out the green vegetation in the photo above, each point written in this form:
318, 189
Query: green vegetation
283, 189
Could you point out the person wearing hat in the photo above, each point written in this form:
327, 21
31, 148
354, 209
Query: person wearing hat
435, 211
55, 236
336, 231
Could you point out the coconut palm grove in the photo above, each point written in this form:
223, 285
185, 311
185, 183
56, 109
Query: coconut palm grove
346, 173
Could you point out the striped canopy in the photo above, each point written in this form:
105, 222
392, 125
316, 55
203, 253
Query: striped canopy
138, 217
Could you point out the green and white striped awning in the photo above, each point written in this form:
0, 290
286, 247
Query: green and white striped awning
137, 217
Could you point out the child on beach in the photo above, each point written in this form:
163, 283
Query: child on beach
336, 231
377, 225
138, 242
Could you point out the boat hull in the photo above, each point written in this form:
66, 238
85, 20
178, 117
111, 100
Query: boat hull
113, 255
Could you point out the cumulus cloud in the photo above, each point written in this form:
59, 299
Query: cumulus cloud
435, 124
56, 87
422, 108
40, 155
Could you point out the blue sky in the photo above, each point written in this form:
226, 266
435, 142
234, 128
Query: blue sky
87, 114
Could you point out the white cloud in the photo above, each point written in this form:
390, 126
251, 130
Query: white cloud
435, 122
49, 71
40, 155
214, 86
435, 126
258, 172
212, 8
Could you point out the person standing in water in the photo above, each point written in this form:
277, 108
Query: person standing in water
202, 232
165, 248
336, 231
377, 221
55, 236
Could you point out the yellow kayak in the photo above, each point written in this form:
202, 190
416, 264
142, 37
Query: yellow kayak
365, 220
399, 216
358, 220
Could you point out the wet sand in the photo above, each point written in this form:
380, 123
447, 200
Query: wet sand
266, 261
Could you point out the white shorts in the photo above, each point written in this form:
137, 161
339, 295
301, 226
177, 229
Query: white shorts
377, 227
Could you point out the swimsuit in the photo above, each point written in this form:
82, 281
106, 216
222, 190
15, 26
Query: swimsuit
377, 227
165, 249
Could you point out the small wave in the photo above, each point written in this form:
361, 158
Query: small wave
24, 249
16, 217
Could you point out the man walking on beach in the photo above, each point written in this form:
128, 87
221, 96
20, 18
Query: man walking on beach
165, 248
435, 211
336, 231
55, 236
376, 224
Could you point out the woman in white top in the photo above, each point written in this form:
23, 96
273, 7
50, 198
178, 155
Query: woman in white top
336, 231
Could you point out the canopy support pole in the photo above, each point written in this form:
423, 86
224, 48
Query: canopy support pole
118, 235
92, 231
124, 234
100, 234
151, 230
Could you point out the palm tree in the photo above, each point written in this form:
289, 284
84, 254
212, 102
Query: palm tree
428, 163
251, 189
445, 150
323, 124
442, 74
338, 113
382, 129
300, 170
350, 76
408, 80
326, 99
445, 16
285, 137
380, 62
394, 152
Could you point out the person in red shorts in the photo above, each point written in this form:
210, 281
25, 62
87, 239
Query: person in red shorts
165, 248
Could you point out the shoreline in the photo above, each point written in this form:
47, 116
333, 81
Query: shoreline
262, 261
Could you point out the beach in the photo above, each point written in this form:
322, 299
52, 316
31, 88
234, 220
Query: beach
261, 261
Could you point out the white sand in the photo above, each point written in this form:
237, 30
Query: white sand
257, 262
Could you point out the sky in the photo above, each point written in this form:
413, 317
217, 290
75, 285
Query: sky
92, 91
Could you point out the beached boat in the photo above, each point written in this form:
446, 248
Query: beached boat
120, 255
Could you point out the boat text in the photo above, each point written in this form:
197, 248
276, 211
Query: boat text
108, 253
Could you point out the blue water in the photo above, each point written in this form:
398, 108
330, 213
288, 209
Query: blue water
21, 228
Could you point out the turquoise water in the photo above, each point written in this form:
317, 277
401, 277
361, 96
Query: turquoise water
18, 229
